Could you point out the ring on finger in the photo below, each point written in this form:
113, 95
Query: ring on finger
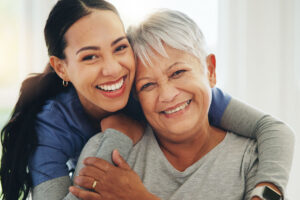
94, 184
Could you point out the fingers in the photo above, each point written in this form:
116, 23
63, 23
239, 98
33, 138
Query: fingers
86, 182
92, 171
119, 160
83, 194
98, 163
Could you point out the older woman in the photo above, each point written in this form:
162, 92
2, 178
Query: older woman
180, 156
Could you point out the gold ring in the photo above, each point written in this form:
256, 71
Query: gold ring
94, 184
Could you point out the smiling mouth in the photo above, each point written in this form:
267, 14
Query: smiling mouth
112, 87
179, 108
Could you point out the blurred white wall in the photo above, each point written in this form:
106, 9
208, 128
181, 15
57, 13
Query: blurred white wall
33, 55
259, 57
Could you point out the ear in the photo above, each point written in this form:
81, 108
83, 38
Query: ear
211, 67
59, 67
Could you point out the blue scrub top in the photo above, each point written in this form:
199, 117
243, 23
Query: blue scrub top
63, 128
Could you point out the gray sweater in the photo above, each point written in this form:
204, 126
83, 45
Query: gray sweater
275, 149
226, 172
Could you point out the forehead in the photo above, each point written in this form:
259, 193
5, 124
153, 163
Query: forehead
161, 63
99, 26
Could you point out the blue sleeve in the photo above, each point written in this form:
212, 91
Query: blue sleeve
219, 103
47, 163
56, 145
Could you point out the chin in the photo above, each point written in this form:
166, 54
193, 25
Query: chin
179, 133
114, 107
180, 130
183, 126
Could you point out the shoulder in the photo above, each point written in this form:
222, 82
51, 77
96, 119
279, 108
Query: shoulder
62, 123
148, 143
243, 144
65, 112
243, 147
110, 137
219, 103
64, 101
56, 114
237, 149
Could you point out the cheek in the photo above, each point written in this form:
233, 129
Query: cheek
197, 83
203, 99
128, 61
147, 102
74, 69
144, 102
82, 77
198, 87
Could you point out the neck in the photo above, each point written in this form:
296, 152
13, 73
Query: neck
95, 113
185, 153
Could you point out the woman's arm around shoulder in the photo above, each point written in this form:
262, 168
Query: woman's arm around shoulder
275, 141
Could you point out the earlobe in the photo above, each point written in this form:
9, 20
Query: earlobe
211, 66
59, 67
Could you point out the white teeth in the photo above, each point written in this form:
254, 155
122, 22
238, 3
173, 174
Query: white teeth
112, 87
178, 108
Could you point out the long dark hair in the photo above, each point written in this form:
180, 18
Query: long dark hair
19, 137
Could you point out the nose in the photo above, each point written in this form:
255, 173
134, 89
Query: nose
111, 67
167, 93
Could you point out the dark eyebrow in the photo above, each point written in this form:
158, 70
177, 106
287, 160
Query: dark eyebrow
98, 48
118, 40
88, 48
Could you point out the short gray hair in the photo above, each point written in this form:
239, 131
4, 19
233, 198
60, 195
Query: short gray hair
169, 27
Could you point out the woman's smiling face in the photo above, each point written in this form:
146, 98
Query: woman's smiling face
99, 62
175, 93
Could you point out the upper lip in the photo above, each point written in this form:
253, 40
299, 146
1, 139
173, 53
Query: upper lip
113, 82
175, 106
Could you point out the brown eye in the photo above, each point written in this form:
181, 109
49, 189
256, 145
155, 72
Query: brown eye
89, 57
178, 73
147, 86
121, 47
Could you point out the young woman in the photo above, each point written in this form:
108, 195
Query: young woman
90, 77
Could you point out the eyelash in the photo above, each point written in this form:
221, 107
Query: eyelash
146, 86
121, 47
177, 74
89, 57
